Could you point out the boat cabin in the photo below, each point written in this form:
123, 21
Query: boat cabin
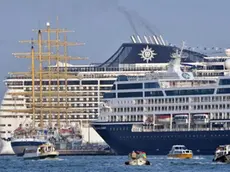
222, 150
179, 149
45, 148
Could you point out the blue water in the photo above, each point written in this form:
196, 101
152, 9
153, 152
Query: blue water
110, 164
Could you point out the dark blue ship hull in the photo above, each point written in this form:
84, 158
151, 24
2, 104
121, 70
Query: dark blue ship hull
20, 146
122, 140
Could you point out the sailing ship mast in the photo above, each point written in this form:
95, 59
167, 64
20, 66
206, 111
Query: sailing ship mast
38, 96
32, 75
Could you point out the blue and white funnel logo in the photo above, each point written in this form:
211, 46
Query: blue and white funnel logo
147, 54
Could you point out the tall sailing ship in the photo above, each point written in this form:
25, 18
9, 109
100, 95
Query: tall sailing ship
69, 96
166, 108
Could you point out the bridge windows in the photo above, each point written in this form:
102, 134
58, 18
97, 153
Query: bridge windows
153, 93
224, 82
189, 92
223, 90
130, 94
129, 86
152, 85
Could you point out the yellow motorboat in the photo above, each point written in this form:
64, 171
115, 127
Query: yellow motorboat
180, 151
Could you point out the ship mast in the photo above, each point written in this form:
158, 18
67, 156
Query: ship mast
32, 75
39, 97
66, 81
58, 70
40, 76
49, 71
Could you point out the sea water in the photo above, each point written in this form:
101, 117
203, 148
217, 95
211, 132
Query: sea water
110, 164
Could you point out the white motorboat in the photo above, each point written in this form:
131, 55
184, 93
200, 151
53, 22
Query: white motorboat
42, 152
222, 154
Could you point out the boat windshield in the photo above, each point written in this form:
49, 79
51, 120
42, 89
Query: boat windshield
179, 147
181, 151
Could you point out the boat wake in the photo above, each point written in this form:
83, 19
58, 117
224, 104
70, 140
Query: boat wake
197, 157
50, 159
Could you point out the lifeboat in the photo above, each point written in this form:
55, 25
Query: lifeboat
180, 151
66, 132
181, 119
200, 119
164, 118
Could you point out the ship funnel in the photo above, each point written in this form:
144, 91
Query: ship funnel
133, 39
146, 39
139, 39
155, 39
162, 40
150, 38
159, 40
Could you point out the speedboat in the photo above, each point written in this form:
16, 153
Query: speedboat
222, 154
180, 151
137, 158
42, 152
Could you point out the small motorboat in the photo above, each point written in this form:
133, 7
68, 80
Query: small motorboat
222, 154
180, 151
137, 158
43, 151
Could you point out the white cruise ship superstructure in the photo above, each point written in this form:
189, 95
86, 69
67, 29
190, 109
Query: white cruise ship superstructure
84, 88
166, 108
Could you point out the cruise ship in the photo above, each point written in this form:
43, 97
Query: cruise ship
88, 84
166, 108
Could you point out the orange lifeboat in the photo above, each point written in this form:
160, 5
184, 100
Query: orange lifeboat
164, 118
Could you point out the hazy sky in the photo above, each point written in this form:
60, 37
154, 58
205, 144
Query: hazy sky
104, 28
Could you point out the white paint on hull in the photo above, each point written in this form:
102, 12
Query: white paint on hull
5, 147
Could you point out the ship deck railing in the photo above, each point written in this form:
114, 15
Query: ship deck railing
141, 129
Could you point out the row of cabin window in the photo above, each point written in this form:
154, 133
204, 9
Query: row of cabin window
165, 108
13, 105
216, 106
128, 109
166, 100
69, 88
93, 100
91, 82
185, 99
63, 105
118, 118
69, 117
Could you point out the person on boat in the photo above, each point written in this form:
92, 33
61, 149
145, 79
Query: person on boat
42, 150
133, 155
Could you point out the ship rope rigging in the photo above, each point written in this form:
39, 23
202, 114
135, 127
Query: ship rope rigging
36, 97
